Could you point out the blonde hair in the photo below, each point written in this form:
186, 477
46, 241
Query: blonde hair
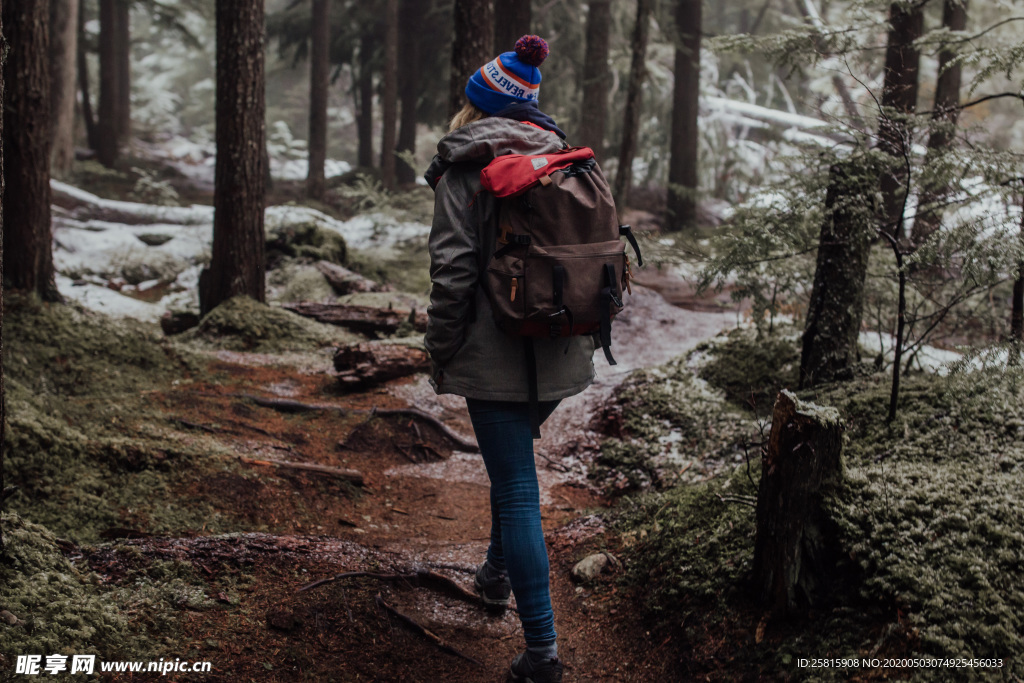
468, 114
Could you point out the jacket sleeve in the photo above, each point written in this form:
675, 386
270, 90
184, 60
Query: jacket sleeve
454, 264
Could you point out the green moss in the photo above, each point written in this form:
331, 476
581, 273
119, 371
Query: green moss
64, 610
946, 545
928, 518
751, 368
668, 420
930, 511
87, 449
405, 267
66, 350
79, 482
691, 546
242, 324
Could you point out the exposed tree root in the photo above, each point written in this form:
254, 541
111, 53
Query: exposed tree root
421, 578
423, 631
285, 405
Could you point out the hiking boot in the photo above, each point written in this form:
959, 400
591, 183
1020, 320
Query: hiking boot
525, 670
493, 587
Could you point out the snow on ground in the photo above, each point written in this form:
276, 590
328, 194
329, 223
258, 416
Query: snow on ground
103, 241
928, 358
98, 297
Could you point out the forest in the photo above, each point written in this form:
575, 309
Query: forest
221, 457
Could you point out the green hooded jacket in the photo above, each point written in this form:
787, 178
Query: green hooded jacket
471, 356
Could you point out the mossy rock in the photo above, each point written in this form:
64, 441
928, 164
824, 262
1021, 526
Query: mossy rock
243, 324
298, 280
306, 238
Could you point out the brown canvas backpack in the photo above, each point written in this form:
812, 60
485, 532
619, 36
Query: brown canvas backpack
559, 268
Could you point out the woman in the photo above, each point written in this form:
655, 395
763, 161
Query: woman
473, 358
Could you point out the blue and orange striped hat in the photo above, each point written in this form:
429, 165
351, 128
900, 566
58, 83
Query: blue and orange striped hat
510, 77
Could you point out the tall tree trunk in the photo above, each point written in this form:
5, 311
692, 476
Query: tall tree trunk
596, 77
238, 260
63, 73
319, 81
389, 96
410, 23
634, 96
3, 393
364, 105
682, 172
83, 84
471, 46
511, 21
26, 129
829, 345
899, 97
837, 295
944, 118
107, 142
123, 46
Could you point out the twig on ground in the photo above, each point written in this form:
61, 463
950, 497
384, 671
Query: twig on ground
743, 500
194, 425
353, 476
551, 463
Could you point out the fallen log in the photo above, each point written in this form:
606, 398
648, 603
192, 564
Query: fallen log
796, 547
368, 364
344, 281
363, 319
352, 476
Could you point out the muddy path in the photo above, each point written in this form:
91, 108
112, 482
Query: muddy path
422, 506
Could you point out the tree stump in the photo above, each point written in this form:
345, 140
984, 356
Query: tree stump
796, 549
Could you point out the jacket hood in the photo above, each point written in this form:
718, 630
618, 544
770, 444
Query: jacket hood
483, 140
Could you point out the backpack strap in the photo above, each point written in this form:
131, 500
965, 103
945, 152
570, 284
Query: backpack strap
531, 384
627, 232
609, 298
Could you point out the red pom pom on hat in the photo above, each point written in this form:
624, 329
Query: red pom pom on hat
532, 50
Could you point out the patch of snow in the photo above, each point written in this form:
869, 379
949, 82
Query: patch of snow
929, 358
106, 300
298, 169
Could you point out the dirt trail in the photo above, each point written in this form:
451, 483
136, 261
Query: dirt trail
424, 506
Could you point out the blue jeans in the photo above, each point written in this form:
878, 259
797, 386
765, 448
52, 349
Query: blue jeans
517, 538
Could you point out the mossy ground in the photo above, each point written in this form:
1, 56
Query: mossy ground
242, 324
928, 515
64, 607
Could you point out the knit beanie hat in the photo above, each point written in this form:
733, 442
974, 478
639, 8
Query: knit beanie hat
510, 77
